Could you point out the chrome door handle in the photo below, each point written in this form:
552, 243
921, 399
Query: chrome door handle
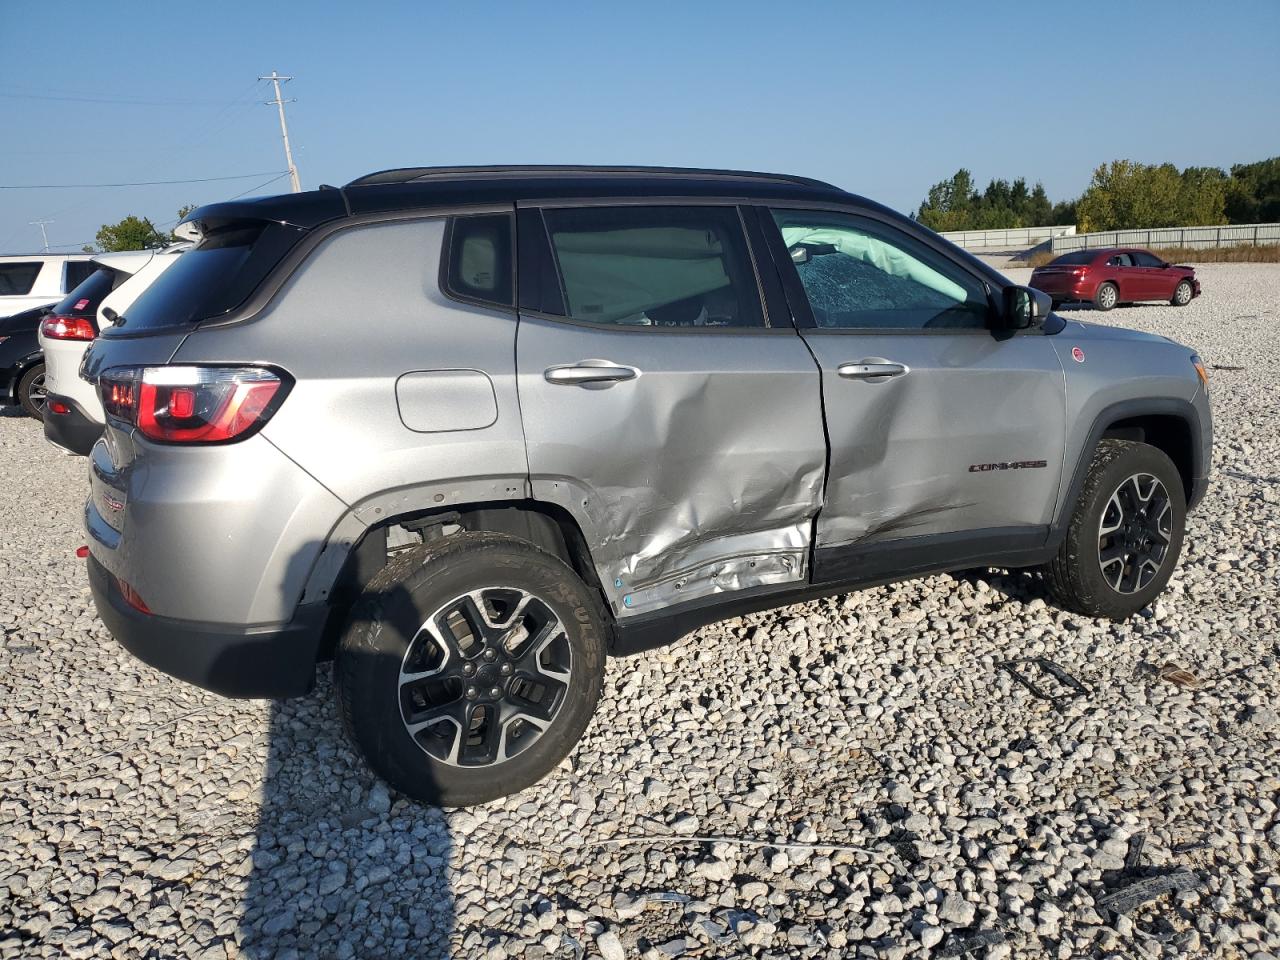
872, 369
590, 371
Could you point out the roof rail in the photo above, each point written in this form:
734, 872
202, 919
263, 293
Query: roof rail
418, 174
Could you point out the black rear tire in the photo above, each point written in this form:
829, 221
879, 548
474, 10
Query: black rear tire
1092, 572
385, 640
1107, 296
31, 392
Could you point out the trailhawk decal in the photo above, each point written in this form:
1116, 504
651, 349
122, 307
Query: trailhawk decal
1008, 465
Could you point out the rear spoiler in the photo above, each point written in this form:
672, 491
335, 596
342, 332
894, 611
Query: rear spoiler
300, 210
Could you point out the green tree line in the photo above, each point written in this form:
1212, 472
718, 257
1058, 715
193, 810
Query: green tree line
133, 233
1122, 195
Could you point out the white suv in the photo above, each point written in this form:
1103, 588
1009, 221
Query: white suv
39, 279
73, 411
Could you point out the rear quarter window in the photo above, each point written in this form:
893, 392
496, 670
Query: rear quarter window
479, 263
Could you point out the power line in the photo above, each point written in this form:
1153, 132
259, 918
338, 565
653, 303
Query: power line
278, 176
127, 101
139, 183
275, 78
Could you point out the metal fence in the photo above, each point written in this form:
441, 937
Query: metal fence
1197, 238
1018, 238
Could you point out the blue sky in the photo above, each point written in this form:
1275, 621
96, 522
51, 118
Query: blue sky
880, 98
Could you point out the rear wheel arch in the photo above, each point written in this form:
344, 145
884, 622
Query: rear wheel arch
548, 527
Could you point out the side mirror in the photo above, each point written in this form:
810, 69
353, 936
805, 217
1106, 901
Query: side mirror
804, 252
1025, 307
110, 315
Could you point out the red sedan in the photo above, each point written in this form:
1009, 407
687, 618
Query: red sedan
1116, 275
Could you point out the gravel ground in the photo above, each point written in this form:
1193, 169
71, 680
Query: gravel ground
850, 777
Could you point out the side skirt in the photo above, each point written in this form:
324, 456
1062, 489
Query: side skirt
839, 570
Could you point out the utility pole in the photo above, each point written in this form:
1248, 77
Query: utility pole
275, 78
44, 236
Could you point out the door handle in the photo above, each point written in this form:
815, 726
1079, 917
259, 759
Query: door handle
587, 372
873, 368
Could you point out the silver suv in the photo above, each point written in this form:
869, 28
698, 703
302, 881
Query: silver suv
466, 431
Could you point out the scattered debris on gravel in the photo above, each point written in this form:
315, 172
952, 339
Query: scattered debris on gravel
852, 777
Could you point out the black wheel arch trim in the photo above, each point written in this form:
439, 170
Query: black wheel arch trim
1127, 410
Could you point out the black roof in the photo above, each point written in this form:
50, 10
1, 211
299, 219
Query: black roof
420, 187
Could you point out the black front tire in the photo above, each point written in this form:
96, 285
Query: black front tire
411, 590
31, 393
1075, 575
1181, 294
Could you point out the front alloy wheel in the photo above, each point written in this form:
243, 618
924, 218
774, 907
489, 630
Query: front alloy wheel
1134, 533
1124, 535
1182, 294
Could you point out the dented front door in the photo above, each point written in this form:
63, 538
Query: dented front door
663, 409
967, 439
940, 432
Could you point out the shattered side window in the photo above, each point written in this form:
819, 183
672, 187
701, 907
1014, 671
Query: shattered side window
858, 274
655, 266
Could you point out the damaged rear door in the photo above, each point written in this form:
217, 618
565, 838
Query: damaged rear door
665, 407
946, 440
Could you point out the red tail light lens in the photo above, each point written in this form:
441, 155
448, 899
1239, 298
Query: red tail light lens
131, 597
193, 404
68, 328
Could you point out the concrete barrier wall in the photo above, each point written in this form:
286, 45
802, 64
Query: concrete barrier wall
1198, 238
1017, 238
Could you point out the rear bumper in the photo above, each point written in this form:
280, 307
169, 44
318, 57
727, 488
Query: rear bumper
1065, 290
73, 430
262, 661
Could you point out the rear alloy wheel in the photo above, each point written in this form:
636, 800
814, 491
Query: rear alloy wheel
32, 393
470, 668
1107, 297
1182, 294
1125, 534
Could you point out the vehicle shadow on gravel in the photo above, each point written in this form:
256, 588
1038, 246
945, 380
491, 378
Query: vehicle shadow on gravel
1010, 585
342, 867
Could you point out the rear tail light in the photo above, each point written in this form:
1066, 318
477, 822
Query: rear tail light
193, 404
58, 407
68, 328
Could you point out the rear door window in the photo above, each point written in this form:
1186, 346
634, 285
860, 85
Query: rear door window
78, 271
655, 266
17, 279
